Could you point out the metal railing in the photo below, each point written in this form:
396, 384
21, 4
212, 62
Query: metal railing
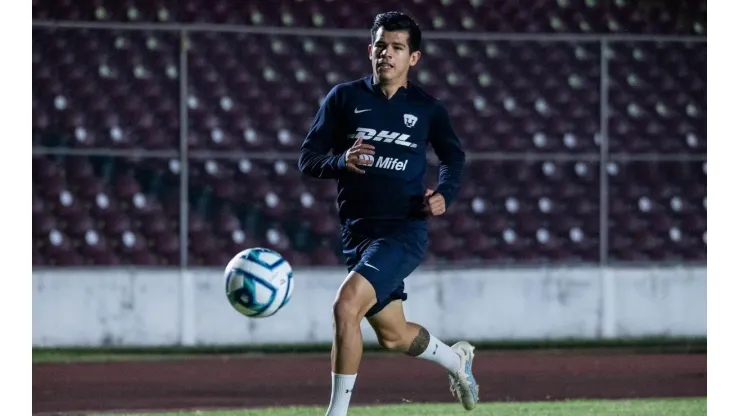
185, 155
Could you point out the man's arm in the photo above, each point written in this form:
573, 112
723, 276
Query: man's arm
314, 160
447, 146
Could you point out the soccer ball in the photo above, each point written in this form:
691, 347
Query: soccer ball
258, 282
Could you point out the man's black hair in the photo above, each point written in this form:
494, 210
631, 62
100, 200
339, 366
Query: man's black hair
397, 21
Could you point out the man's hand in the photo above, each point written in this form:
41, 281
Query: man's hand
434, 203
353, 159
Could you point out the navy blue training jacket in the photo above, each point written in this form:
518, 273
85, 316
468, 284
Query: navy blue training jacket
401, 129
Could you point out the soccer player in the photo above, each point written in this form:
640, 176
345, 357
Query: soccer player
378, 129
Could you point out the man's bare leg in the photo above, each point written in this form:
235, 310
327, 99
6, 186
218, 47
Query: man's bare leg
397, 334
354, 299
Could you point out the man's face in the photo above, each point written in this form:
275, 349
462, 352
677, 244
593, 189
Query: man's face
391, 56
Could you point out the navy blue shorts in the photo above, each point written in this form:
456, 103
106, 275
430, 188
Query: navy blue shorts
385, 259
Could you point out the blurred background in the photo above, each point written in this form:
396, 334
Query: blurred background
166, 135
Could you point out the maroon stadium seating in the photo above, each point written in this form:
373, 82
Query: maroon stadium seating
657, 211
107, 89
658, 98
682, 17
507, 211
120, 90
528, 113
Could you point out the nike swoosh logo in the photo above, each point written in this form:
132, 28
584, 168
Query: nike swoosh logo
362, 111
371, 266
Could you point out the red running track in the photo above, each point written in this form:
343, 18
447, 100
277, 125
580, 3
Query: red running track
280, 380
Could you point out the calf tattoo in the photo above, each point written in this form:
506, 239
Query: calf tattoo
419, 344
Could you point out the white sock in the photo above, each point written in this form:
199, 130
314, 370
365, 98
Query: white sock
441, 353
341, 391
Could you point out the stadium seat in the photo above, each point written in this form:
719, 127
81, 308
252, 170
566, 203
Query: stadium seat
105, 89
119, 219
658, 98
657, 211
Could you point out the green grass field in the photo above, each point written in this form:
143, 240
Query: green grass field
653, 407
643, 345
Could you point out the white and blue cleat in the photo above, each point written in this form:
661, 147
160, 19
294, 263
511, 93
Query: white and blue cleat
462, 383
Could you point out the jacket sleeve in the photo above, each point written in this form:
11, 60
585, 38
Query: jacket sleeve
314, 159
447, 146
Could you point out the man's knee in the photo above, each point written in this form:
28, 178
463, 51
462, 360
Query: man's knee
393, 341
346, 311
394, 333
354, 299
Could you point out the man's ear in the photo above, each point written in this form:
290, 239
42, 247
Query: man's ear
414, 58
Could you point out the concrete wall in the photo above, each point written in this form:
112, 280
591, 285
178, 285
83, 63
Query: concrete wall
143, 307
